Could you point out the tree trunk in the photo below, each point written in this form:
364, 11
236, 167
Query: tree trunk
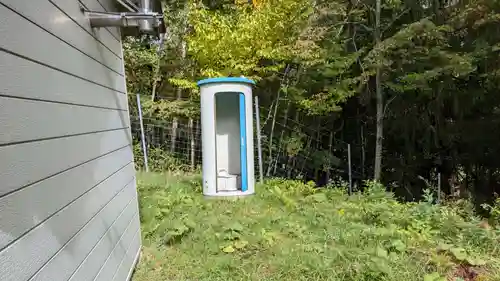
277, 157
153, 94
306, 159
363, 154
173, 134
269, 114
271, 135
270, 149
380, 102
291, 158
317, 148
156, 74
175, 122
330, 150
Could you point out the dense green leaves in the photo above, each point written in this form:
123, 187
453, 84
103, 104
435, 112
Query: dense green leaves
315, 64
250, 42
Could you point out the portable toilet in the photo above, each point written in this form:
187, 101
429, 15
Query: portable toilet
227, 136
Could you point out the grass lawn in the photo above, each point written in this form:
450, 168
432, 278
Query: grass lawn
291, 231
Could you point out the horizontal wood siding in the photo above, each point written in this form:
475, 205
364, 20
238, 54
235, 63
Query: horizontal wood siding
34, 201
37, 44
58, 87
68, 200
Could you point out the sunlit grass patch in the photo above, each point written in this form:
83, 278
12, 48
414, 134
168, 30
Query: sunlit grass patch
291, 231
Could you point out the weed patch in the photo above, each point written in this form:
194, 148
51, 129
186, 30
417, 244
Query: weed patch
292, 231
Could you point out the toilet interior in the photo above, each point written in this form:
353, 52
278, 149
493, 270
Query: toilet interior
228, 141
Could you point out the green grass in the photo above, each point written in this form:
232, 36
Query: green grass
290, 231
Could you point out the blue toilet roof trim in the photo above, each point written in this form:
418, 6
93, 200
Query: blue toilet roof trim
225, 80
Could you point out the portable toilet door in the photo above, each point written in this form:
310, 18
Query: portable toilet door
227, 136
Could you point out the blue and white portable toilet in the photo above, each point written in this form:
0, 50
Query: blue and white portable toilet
227, 136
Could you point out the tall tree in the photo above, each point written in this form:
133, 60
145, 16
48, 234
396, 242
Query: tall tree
380, 100
409, 84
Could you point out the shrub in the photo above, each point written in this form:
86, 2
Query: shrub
293, 231
159, 160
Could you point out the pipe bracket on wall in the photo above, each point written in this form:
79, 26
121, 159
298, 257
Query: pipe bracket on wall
129, 19
144, 20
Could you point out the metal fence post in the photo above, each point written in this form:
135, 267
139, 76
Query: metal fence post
350, 169
259, 145
143, 139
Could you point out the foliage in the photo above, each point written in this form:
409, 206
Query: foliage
494, 210
141, 62
159, 160
315, 64
249, 37
294, 144
317, 60
291, 231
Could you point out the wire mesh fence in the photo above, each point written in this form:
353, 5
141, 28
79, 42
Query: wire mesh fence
290, 149
170, 145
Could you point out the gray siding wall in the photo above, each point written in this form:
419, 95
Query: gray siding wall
68, 200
